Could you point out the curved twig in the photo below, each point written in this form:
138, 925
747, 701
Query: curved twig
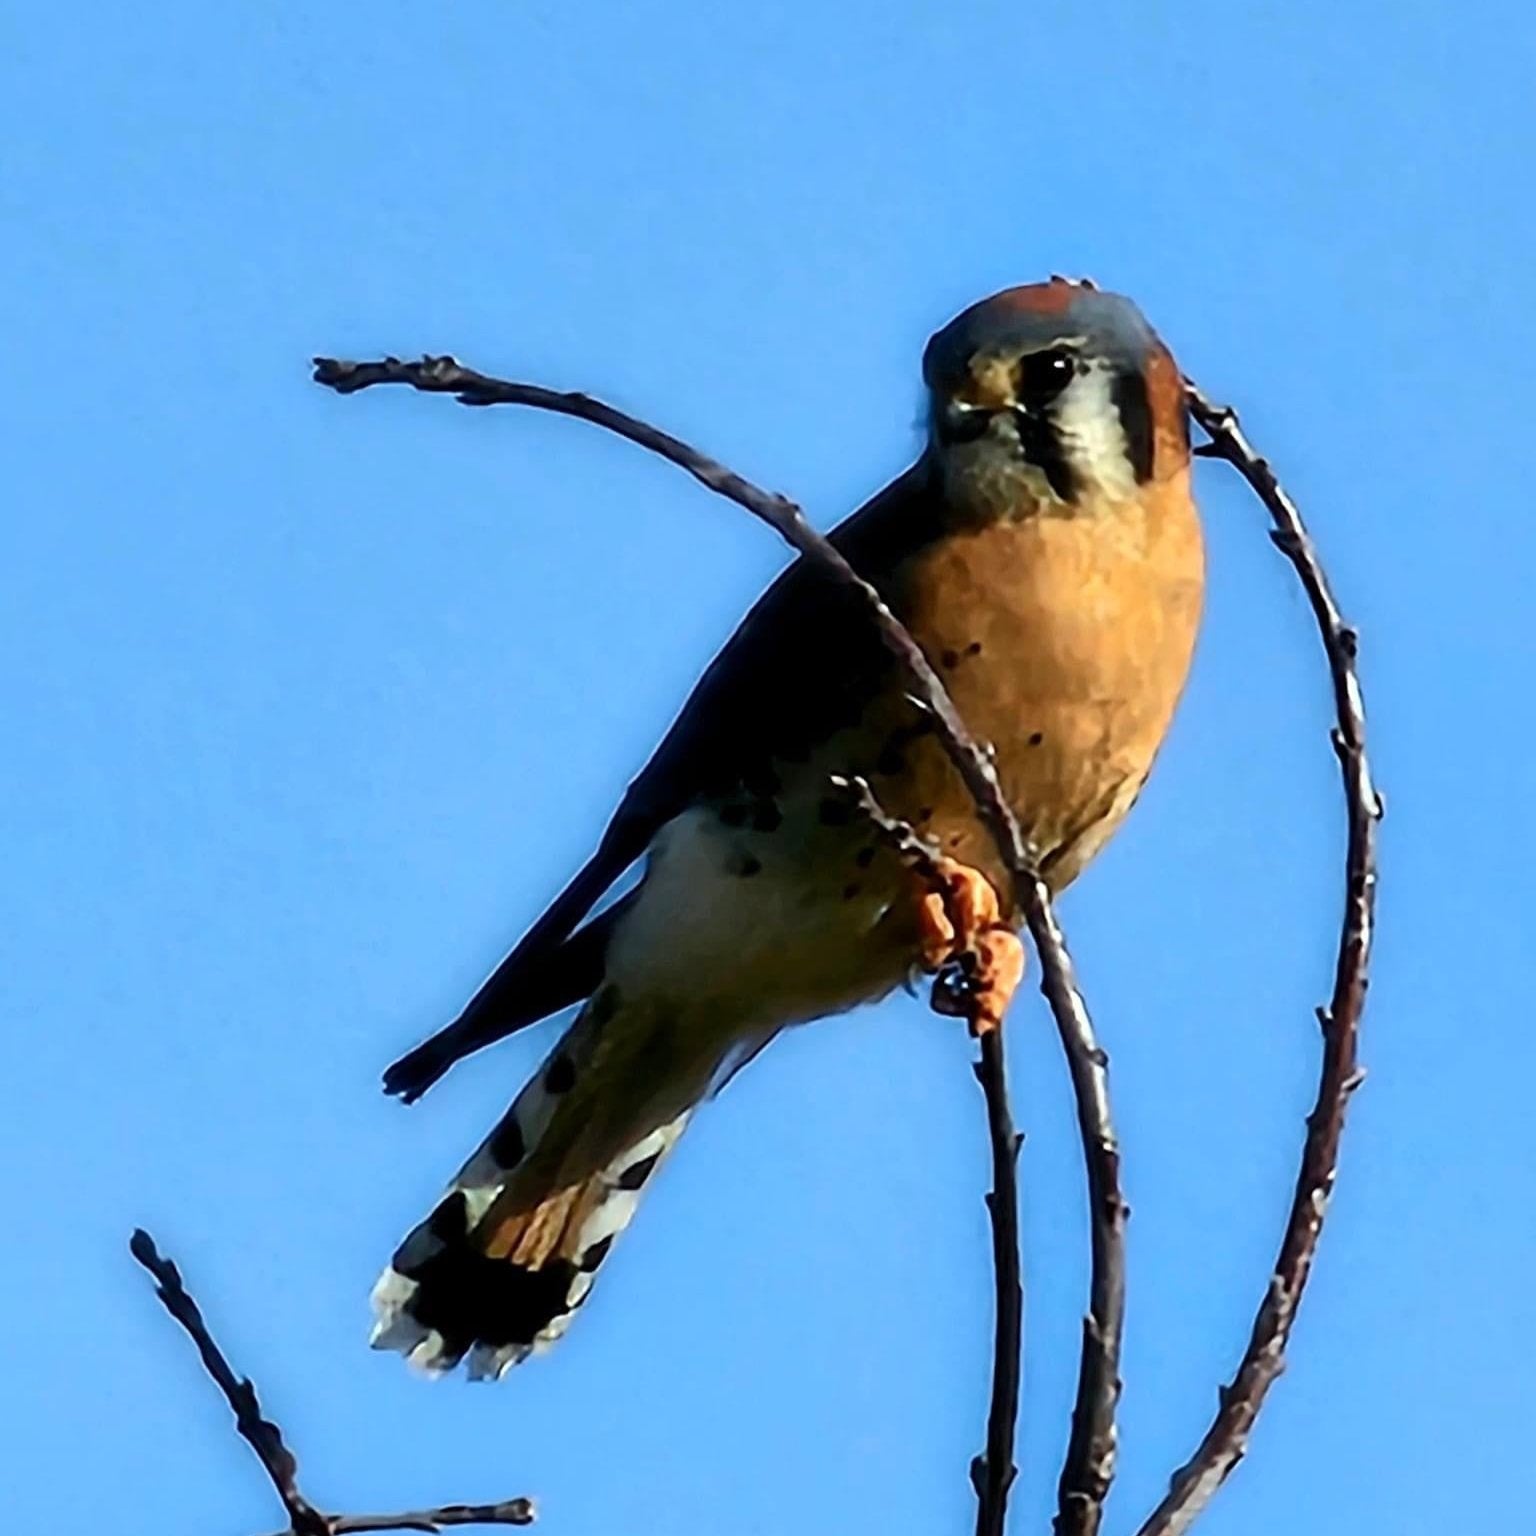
1089, 1468
266, 1439
1227, 1438
1091, 1454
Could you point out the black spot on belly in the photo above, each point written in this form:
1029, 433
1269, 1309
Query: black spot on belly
745, 865
506, 1144
850, 891
891, 758
1036, 737
864, 857
974, 648
950, 660
560, 1075
761, 783
766, 816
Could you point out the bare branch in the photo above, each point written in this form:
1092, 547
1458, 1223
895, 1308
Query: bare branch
508, 1512
266, 1439
994, 1471
1091, 1450
1091, 1454
1227, 1438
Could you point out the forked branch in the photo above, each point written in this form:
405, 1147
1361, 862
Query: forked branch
266, 1439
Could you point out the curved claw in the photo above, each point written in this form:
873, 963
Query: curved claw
963, 923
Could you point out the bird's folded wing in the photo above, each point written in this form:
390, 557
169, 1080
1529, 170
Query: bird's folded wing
792, 672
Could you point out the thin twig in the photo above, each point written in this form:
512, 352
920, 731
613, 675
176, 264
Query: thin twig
1089, 1468
1091, 1454
266, 1439
993, 1472
508, 1512
1227, 1438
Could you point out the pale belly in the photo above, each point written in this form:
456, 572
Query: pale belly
739, 928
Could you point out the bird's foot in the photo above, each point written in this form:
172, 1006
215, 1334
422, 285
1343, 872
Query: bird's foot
977, 958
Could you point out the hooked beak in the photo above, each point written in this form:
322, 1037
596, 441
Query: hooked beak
960, 421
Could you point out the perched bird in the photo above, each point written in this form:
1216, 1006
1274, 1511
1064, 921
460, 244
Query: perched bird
1046, 554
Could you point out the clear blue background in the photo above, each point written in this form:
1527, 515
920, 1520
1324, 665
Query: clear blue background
309, 704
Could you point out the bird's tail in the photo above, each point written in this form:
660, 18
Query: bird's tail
511, 1249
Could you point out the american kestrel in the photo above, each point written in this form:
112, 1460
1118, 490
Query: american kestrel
1045, 552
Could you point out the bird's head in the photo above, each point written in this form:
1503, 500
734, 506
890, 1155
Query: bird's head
1054, 396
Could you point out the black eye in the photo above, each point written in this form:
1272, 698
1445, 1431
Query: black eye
1043, 376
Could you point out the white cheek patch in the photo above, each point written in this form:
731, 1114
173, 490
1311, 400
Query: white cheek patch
1092, 437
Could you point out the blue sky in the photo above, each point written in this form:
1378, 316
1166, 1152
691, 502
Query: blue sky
310, 703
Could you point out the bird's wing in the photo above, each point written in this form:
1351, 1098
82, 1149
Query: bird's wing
784, 680
782, 683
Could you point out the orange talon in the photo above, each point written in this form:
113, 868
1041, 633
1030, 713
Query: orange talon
964, 920
936, 934
974, 901
967, 898
1001, 963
